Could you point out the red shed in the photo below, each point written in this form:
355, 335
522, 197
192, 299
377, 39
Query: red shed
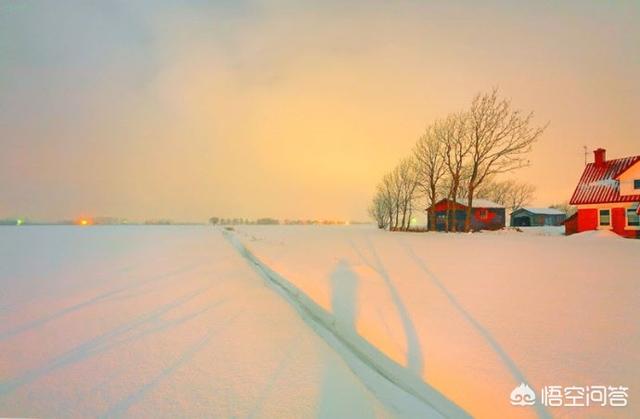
608, 195
571, 225
485, 215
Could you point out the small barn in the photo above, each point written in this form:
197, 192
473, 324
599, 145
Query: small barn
571, 225
537, 217
485, 215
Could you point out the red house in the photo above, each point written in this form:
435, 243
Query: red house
485, 215
608, 196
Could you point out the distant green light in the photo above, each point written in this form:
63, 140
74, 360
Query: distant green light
19, 222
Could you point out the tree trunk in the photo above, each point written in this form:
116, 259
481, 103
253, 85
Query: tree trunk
454, 201
395, 224
467, 218
431, 218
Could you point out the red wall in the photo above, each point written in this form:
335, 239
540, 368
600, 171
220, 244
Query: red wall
618, 220
442, 206
571, 225
477, 213
619, 224
587, 219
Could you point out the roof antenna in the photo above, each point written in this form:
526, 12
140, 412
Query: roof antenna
586, 153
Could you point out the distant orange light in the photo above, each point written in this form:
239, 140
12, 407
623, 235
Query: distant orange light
84, 221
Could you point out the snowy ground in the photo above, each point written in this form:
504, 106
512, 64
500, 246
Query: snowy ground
474, 315
156, 322
299, 321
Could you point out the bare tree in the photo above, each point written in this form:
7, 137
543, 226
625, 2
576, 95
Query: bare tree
509, 193
499, 137
520, 195
393, 203
452, 134
389, 191
396, 195
494, 191
565, 207
431, 169
407, 177
379, 209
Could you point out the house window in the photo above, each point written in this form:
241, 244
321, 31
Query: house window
636, 184
605, 217
633, 219
484, 213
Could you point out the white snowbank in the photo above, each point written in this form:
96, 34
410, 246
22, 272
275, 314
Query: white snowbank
596, 234
534, 231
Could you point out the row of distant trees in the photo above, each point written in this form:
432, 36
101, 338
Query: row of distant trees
271, 221
242, 221
460, 157
92, 221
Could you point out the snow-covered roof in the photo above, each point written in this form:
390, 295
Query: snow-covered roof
599, 184
542, 211
479, 203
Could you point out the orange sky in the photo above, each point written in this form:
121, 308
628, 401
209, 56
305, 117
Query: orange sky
288, 109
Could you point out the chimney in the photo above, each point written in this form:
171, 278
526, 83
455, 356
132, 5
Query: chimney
600, 157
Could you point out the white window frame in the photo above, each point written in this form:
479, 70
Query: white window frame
610, 226
626, 220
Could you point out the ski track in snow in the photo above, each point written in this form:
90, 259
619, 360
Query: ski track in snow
397, 316
105, 341
187, 347
486, 335
414, 356
113, 295
120, 408
389, 381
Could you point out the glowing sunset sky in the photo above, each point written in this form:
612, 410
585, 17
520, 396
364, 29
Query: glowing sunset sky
186, 110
